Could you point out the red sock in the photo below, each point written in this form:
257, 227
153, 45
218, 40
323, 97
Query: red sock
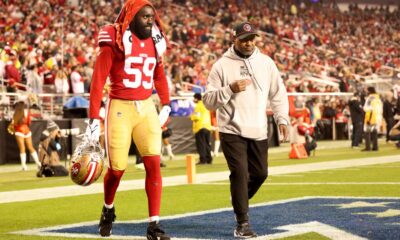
153, 184
111, 182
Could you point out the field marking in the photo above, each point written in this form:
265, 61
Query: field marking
316, 183
75, 190
46, 231
326, 230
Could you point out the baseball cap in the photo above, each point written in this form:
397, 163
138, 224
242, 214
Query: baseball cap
243, 30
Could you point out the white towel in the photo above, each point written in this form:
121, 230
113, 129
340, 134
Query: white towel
159, 40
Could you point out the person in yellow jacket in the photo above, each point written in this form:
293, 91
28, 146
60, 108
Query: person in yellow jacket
373, 119
202, 130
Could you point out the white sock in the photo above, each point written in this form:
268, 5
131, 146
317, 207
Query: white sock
169, 150
109, 206
217, 143
154, 218
23, 161
36, 158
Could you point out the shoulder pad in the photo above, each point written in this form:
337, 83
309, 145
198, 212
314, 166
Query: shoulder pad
106, 36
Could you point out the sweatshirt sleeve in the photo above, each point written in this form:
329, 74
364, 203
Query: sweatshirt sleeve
100, 73
278, 96
216, 95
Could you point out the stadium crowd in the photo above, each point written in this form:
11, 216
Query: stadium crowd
50, 45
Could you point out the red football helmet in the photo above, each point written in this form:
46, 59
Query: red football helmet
87, 163
305, 129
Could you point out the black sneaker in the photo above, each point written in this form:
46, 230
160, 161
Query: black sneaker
243, 230
106, 220
154, 232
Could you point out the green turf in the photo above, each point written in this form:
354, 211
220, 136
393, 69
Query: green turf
308, 236
199, 197
28, 180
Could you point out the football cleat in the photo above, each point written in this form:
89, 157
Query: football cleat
87, 163
243, 231
154, 232
106, 219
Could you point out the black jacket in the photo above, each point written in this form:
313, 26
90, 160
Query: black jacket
356, 111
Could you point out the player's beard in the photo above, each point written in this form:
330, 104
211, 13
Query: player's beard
141, 31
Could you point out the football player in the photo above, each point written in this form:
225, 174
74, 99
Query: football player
129, 54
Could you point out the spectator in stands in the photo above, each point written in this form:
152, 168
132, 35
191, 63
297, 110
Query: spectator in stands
23, 135
372, 120
341, 44
357, 119
12, 73
240, 85
202, 130
77, 81
34, 80
61, 81
87, 74
131, 111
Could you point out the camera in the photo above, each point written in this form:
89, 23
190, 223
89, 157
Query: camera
67, 132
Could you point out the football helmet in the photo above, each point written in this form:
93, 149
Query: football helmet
87, 163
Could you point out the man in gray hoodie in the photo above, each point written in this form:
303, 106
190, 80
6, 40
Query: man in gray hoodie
242, 84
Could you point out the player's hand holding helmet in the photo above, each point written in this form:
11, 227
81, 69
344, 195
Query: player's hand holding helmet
164, 114
92, 133
87, 162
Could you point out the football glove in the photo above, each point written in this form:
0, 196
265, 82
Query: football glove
92, 133
164, 114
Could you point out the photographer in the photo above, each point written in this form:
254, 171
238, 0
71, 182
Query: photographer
49, 152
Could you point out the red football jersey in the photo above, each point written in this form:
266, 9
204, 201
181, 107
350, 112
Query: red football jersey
132, 72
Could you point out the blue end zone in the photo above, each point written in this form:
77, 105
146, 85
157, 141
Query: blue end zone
359, 221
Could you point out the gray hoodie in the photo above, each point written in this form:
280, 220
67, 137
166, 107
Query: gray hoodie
245, 113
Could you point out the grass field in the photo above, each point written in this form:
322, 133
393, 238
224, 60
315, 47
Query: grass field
380, 180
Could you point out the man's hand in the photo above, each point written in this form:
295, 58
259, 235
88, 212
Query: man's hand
239, 85
284, 132
92, 133
164, 114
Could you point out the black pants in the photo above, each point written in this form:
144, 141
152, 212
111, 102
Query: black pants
371, 135
389, 124
247, 162
203, 145
357, 132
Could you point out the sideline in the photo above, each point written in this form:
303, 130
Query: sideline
284, 147
75, 190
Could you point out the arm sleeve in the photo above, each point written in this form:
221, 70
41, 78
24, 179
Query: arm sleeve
161, 83
278, 97
100, 73
195, 115
217, 95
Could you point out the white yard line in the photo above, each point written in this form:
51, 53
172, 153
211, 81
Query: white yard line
74, 190
318, 183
